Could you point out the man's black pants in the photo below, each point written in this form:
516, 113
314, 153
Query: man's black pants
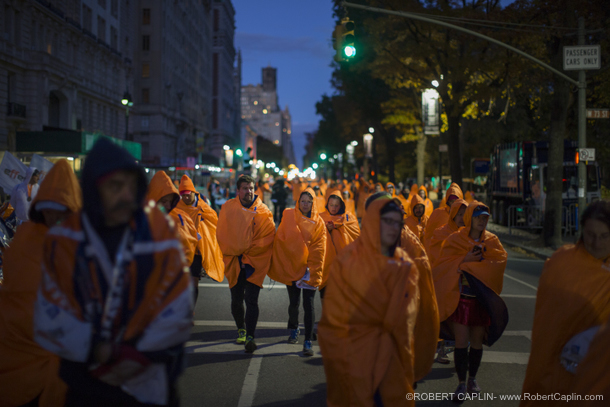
245, 290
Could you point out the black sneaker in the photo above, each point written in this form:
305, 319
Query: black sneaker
250, 345
460, 394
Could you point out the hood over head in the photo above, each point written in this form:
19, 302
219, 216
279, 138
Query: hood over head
468, 215
370, 234
337, 194
186, 184
414, 189
105, 158
314, 207
454, 189
455, 208
423, 188
416, 200
60, 188
161, 185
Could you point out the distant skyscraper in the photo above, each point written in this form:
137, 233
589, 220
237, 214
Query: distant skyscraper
261, 111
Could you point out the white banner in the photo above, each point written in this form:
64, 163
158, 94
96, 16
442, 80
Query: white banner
12, 172
41, 164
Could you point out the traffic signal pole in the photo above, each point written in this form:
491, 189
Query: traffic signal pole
580, 83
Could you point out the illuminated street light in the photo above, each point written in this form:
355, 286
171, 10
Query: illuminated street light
314, 166
323, 156
354, 143
435, 83
238, 152
226, 147
371, 130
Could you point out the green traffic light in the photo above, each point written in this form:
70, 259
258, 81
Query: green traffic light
349, 51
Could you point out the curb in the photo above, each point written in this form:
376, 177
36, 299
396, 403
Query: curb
526, 249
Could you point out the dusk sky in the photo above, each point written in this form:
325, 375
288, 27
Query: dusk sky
294, 37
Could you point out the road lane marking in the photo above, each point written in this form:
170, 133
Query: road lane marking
518, 358
517, 296
527, 334
264, 348
532, 259
226, 286
248, 390
521, 281
232, 324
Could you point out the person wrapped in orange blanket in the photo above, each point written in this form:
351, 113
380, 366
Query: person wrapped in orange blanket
363, 194
468, 278
417, 220
440, 216
208, 255
427, 323
245, 234
350, 205
391, 189
298, 261
341, 229
423, 192
456, 221
27, 371
162, 191
367, 327
573, 297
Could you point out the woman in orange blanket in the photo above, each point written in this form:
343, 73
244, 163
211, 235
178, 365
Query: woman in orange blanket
341, 229
573, 297
298, 260
468, 278
440, 216
367, 326
350, 205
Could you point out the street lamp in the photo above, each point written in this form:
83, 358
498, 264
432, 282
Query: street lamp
126, 101
435, 83
323, 156
239, 153
354, 143
314, 166
226, 147
371, 130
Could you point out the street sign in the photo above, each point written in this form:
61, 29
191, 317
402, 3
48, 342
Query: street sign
582, 57
598, 113
586, 154
443, 148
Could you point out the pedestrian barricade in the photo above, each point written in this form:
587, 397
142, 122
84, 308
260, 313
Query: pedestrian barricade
532, 217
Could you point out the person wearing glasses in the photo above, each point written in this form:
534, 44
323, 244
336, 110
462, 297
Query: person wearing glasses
299, 250
370, 308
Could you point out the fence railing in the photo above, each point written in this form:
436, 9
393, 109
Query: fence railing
532, 217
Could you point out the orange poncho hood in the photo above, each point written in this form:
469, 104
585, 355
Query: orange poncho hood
416, 200
161, 185
345, 231
440, 234
59, 186
186, 184
489, 271
454, 189
423, 188
388, 185
440, 216
413, 191
300, 244
374, 309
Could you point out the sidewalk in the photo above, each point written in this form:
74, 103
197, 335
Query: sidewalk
525, 241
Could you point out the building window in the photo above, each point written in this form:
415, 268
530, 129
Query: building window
87, 18
114, 37
145, 96
146, 43
102, 3
145, 70
114, 8
145, 16
216, 20
144, 124
101, 28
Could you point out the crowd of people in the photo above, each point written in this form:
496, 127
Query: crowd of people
102, 278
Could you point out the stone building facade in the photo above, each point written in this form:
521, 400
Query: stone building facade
64, 64
260, 109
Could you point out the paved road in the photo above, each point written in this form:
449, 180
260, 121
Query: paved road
220, 374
